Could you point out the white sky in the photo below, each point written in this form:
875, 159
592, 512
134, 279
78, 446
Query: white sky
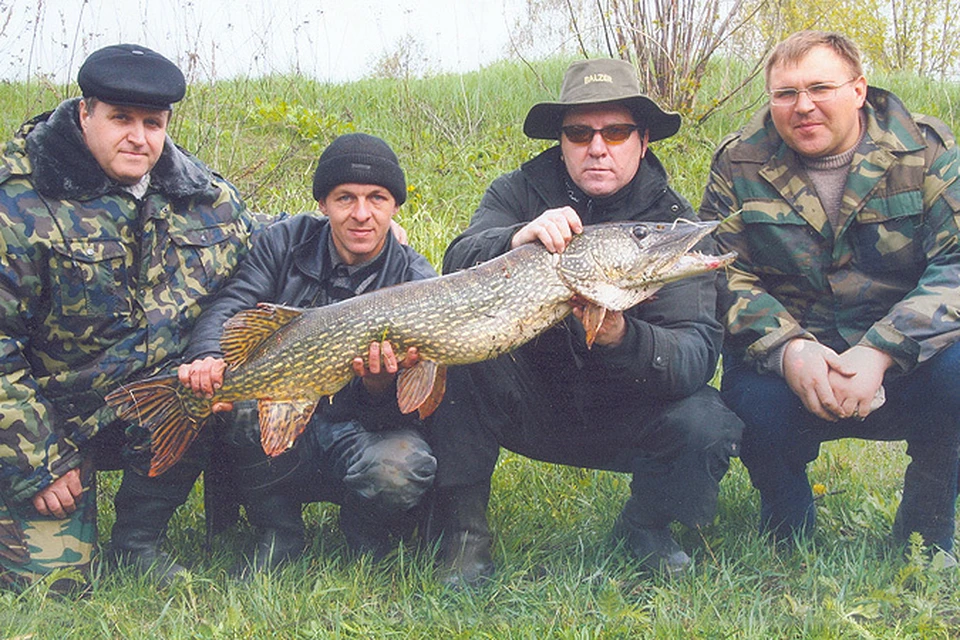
332, 40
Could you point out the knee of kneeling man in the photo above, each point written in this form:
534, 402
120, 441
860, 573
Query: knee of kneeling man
395, 483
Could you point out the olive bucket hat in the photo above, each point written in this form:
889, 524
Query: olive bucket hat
600, 81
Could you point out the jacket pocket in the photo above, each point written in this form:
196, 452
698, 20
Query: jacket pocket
204, 257
91, 277
885, 235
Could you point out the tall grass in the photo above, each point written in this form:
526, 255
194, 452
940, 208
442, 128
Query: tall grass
558, 576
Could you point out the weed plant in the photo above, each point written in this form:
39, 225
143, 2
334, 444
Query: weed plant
559, 576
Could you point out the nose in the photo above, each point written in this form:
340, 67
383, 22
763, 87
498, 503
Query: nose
804, 103
597, 146
135, 133
362, 210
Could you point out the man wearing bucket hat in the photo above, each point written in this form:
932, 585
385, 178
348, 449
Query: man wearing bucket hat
358, 450
638, 401
112, 238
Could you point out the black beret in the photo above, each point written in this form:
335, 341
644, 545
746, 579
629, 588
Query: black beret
362, 159
133, 76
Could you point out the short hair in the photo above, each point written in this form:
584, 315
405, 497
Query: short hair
798, 45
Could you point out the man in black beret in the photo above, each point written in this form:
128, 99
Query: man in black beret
113, 237
358, 450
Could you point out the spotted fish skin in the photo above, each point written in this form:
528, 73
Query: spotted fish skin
289, 359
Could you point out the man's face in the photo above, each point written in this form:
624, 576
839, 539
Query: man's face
818, 129
360, 217
126, 141
598, 167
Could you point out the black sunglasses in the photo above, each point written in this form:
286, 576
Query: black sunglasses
611, 134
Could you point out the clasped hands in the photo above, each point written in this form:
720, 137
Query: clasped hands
835, 386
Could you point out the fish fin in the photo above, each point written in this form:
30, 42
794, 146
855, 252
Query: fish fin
247, 330
282, 422
171, 415
439, 387
414, 385
592, 319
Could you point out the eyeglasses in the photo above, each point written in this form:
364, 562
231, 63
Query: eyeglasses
611, 134
822, 92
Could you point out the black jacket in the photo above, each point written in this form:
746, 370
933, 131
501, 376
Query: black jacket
673, 340
288, 265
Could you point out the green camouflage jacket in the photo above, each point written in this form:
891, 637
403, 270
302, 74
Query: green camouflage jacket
888, 277
96, 286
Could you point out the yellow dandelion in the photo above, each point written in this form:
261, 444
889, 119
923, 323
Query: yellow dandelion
819, 489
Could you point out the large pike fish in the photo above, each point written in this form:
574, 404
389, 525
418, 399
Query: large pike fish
288, 359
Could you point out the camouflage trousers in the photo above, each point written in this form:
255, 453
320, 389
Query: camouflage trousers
34, 546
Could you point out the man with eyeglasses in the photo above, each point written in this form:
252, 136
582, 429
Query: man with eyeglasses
637, 401
842, 309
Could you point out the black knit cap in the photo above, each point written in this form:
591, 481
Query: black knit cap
362, 159
133, 76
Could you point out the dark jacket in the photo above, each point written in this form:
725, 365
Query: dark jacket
289, 265
673, 340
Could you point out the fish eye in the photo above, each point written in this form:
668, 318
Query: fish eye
640, 232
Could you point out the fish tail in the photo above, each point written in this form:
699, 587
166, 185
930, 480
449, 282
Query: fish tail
170, 413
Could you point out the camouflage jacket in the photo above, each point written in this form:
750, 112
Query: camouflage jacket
887, 277
96, 286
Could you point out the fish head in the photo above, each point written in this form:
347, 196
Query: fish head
617, 265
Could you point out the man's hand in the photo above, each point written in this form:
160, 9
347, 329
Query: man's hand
399, 232
205, 377
612, 330
856, 390
807, 366
554, 228
60, 497
382, 366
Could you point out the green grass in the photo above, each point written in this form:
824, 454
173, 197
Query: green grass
558, 576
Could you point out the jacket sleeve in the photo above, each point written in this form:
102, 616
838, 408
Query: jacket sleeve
925, 321
503, 210
253, 281
756, 322
33, 451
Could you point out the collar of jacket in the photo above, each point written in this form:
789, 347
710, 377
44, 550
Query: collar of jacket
548, 176
63, 168
890, 126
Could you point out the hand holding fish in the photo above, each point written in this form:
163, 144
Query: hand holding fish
381, 366
204, 378
554, 228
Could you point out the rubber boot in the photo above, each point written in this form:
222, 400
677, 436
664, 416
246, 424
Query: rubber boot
649, 539
144, 507
268, 490
278, 521
465, 558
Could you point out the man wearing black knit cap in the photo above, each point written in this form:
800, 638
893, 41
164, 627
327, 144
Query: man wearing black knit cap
359, 450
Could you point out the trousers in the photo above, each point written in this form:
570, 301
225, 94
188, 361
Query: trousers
782, 437
677, 450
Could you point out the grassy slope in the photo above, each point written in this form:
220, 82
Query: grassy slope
559, 576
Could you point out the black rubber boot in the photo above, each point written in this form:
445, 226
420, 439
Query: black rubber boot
268, 490
465, 558
144, 506
648, 537
280, 533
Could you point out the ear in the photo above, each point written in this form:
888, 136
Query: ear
860, 88
322, 206
84, 113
